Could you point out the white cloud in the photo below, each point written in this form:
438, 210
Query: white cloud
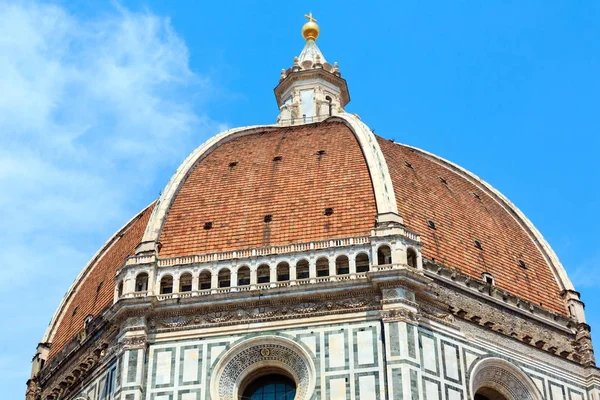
584, 276
90, 109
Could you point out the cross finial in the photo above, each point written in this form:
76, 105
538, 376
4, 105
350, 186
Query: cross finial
310, 30
310, 17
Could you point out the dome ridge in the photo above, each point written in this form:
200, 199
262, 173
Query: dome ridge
538, 239
155, 224
91, 265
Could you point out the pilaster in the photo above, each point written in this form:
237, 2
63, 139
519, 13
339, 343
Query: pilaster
132, 344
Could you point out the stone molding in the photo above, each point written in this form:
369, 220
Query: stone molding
212, 315
504, 377
508, 323
387, 209
391, 295
583, 345
494, 294
247, 358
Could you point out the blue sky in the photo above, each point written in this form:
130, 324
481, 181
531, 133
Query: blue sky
99, 102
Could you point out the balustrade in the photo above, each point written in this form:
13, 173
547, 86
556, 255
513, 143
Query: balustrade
317, 262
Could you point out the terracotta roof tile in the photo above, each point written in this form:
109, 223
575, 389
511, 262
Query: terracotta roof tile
295, 191
460, 218
96, 289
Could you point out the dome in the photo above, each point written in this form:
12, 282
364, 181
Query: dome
313, 255
312, 250
268, 186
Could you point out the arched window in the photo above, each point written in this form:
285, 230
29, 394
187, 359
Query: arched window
283, 272
141, 282
384, 255
302, 269
362, 262
342, 265
224, 278
323, 266
205, 280
486, 393
328, 98
166, 284
269, 387
263, 274
494, 378
243, 276
185, 282
120, 290
411, 257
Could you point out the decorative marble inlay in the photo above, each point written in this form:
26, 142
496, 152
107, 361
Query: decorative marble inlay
504, 377
267, 352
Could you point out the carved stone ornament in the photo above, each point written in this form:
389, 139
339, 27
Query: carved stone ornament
241, 314
433, 312
174, 322
33, 390
584, 347
251, 358
58, 385
133, 342
508, 323
503, 377
399, 314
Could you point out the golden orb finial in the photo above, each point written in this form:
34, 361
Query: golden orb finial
310, 30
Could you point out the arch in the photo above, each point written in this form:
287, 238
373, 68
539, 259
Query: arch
258, 356
205, 280
166, 284
283, 271
120, 289
263, 274
495, 376
362, 262
243, 276
411, 257
141, 282
384, 255
302, 269
185, 282
224, 278
342, 265
322, 266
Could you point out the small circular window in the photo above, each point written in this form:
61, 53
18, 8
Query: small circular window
269, 387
